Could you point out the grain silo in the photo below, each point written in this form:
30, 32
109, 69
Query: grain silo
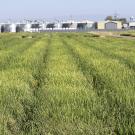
5, 27
13, 27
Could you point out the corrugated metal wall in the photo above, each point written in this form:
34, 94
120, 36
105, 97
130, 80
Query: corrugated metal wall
111, 26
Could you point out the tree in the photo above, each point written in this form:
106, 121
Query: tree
123, 20
51, 26
66, 25
109, 18
35, 26
81, 25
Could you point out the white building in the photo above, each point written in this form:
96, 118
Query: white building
132, 25
13, 27
125, 26
43, 26
38, 26
27, 27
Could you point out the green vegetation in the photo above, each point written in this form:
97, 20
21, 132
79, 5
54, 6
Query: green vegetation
66, 84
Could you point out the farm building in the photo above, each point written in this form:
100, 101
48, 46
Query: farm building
27, 27
40, 26
109, 25
43, 26
69, 25
13, 27
85, 25
7, 27
20, 27
58, 26
50, 26
74, 25
35, 27
125, 26
132, 25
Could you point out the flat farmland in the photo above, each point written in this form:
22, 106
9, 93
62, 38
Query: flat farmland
66, 84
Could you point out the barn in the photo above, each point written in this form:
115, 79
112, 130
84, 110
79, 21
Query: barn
109, 25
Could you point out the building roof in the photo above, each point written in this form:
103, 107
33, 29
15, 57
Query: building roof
109, 21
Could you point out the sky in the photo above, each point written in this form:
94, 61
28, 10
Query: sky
65, 9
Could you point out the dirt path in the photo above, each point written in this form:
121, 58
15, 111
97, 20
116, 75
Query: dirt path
125, 37
112, 34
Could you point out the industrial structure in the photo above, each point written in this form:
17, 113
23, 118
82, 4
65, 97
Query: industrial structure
132, 25
41, 26
36, 26
109, 25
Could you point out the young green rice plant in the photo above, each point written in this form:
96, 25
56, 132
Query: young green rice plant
115, 52
17, 91
66, 84
8, 55
114, 81
70, 102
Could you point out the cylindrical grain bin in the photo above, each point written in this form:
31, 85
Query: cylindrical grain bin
27, 27
13, 27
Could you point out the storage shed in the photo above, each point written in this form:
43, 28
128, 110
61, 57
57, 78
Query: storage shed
109, 25
132, 25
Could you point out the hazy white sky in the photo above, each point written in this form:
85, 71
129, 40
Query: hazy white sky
51, 9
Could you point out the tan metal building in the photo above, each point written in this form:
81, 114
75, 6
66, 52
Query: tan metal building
109, 25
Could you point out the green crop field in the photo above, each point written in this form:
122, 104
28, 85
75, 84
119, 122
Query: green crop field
66, 84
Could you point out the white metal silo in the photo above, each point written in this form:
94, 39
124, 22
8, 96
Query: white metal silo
13, 27
27, 27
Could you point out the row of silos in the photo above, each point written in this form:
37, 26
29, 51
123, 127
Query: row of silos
64, 25
12, 27
36, 27
6, 27
73, 25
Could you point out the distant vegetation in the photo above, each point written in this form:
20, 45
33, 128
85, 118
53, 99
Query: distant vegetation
127, 34
115, 18
66, 84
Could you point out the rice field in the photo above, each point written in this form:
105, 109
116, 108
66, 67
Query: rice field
66, 84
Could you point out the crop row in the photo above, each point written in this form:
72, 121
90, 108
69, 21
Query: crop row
66, 84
